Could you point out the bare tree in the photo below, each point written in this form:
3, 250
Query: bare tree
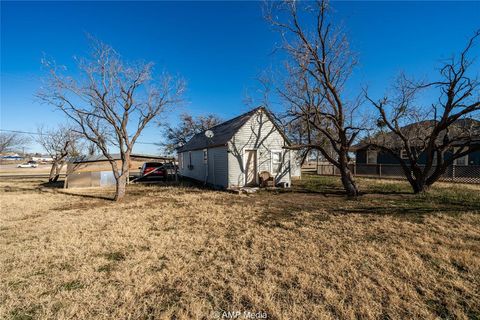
187, 128
59, 144
450, 125
318, 67
12, 141
111, 102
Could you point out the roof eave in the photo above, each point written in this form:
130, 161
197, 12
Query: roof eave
207, 147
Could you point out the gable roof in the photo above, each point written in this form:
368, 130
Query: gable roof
223, 132
419, 130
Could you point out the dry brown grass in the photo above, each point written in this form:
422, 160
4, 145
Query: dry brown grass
185, 253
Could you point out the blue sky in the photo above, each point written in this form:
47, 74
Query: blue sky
218, 47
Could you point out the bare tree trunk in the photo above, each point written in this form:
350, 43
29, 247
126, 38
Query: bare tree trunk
416, 178
122, 179
348, 181
58, 170
53, 170
120, 187
419, 186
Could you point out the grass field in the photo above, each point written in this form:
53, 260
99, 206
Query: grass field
173, 252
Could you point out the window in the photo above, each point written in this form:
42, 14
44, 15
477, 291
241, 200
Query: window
372, 157
403, 154
190, 160
205, 156
276, 161
180, 160
462, 161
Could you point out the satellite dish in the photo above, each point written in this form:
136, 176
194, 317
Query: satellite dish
209, 134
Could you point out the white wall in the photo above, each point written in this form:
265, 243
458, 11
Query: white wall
296, 167
258, 133
217, 166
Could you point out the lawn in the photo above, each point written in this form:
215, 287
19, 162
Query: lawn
178, 252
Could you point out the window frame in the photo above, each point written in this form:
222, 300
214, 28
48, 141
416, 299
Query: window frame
376, 156
465, 158
279, 168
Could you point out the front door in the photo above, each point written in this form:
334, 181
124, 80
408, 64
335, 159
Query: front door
250, 167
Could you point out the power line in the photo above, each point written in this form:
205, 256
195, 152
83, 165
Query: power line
36, 133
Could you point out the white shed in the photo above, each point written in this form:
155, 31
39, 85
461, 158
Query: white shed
238, 151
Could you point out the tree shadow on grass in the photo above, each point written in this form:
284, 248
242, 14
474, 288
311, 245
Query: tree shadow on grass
397, 211
51, 188
135, 190
53, 185
297, 208
87, 195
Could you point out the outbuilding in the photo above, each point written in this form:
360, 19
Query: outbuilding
233, 154
96, 171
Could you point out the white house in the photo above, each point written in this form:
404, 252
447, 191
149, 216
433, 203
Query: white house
236, 151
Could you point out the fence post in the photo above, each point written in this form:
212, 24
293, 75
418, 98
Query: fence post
453, 172
380, 169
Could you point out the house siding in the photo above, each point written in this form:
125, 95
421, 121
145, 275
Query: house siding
361, 156
258, 133
386, 158
474, 158
295, 164
217, 166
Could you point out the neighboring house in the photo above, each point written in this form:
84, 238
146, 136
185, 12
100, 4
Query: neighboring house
96, 171
238, 151
42, 158
366, 154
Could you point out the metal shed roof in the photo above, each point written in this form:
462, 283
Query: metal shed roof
115, 156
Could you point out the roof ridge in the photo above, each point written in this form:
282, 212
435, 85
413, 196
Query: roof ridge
225, 131
251, 112
237, 117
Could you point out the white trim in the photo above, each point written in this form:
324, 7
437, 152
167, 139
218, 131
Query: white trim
403, 154
376, 156
245, 165
271, 161
464, 157
180, 160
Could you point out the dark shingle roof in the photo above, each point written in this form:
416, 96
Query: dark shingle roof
222, 133
418, 131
